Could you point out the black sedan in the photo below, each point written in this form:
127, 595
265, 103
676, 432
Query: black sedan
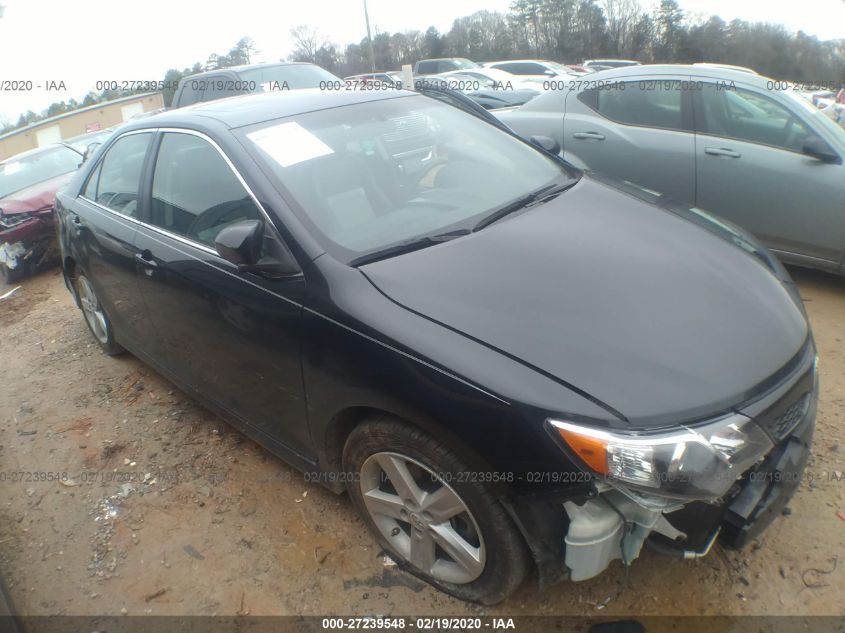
508, 364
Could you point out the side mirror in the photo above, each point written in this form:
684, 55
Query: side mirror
549, 72
546, 143
241, 244
817, 148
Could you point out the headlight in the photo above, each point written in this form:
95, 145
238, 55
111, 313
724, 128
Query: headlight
700, 462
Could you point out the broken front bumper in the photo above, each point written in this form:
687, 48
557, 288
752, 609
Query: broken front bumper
612, 525
26, 239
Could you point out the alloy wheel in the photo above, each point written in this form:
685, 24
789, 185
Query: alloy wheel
92, 310
422, 517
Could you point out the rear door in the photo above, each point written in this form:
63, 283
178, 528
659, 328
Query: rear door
231, 337
751, 170
103, 221
635, 130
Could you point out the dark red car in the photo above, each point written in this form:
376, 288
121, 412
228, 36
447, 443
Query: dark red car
28, 185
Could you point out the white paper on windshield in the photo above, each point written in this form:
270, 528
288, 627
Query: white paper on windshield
289, 143
10, 168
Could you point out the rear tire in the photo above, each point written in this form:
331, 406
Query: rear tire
413, 494
95, 316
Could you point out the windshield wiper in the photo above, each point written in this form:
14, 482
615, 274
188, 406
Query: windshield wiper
408, 246
542, 194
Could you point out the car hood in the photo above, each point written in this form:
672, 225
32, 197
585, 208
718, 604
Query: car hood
39, 196
657, 318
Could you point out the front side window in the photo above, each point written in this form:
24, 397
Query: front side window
116, 181
370, 176
195, 193
744, 115
651, 103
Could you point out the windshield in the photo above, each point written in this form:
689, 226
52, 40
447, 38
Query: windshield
373, 175
289, 76
26, 171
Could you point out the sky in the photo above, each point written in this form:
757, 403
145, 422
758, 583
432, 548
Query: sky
82, 42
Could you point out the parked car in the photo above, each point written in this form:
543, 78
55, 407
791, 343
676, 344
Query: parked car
240, 80
817, 97
385, 79
505, 362
835, 112
499, 79
88, 143
715, 138
28, 185
82, 142
442, 65
742, 69
487, 93
535, 68
604, 64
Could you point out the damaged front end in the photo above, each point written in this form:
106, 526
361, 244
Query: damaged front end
27, 242
679, 491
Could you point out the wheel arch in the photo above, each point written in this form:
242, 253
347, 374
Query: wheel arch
341, 425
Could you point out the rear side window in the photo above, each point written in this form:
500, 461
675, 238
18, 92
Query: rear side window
188, 93
116, 181
522, 68
651, 103
219, 87
195, 192
425, 68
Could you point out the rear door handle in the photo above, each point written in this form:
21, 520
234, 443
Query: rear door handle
593, 135
722, 151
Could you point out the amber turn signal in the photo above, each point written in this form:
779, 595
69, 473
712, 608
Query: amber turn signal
592, 450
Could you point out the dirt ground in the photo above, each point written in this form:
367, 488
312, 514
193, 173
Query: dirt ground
161, 508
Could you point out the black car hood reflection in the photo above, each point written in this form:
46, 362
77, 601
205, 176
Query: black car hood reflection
636, 306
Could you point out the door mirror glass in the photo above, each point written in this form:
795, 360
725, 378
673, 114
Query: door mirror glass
817, 148
546, 143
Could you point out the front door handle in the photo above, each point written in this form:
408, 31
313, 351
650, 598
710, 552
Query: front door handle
591, 135
722, 151
145, 258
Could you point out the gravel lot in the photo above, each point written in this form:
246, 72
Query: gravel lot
171, 511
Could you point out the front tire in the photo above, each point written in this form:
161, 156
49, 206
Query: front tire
95, 316
448, 529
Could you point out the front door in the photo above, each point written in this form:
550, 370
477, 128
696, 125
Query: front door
232, 337
751, 171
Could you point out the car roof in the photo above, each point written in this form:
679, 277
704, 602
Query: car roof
243, 110
244, 67
510, 61
705, 71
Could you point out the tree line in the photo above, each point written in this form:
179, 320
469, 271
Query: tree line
571, 31
568, 31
